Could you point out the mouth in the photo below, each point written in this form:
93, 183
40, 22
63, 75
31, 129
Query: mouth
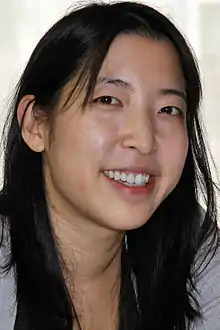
129, 179
130, 182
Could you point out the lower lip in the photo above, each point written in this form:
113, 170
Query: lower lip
133, 190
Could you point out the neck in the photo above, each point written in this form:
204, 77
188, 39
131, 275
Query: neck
92, 269
88, 255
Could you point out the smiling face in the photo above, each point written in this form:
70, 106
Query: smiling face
112, 165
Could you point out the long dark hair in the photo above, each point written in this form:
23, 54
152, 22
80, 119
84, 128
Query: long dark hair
160, 256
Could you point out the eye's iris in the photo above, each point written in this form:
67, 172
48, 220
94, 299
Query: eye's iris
106, 99
170, 110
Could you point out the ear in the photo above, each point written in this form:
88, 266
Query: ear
32, 127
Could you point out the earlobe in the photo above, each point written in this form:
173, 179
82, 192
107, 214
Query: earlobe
32, 129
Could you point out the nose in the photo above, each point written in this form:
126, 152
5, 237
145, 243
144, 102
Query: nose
139, 133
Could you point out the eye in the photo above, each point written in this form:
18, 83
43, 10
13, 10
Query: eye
107, 100
171, 110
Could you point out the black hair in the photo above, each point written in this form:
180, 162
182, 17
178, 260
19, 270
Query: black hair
160, 256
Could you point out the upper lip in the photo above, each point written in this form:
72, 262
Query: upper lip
153, 171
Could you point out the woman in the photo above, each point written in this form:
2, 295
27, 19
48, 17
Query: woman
104, 163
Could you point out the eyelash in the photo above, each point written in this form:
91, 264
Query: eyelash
105, 98
170, 108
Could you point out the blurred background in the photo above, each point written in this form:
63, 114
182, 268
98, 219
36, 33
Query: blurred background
23, 22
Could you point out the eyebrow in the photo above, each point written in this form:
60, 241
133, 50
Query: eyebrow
173, 91
125, 84
116, 82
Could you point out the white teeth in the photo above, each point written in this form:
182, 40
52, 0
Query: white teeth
147, 178
138, 179
111, 174
131, 179
117, 176
123, 177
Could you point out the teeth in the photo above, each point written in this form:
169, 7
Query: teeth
147, 178
123, 177
138, 179
131, 179
110, 174
117, 176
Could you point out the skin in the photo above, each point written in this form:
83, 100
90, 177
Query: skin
135, 130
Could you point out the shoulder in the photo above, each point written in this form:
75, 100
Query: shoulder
7, 293
208, 294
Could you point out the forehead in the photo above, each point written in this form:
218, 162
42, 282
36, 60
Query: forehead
138, 57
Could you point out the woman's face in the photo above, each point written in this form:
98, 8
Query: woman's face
112, 165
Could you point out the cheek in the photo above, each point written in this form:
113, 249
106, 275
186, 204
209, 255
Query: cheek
82, 144
174, 147
100, 134
97, 136
178, 157
182, 144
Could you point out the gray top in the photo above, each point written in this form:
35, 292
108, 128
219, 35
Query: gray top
208, 287
7, 296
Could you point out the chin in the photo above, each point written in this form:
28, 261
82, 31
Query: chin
123, 221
